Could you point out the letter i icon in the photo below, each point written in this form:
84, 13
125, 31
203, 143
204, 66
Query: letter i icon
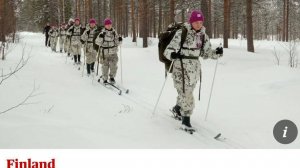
284, 132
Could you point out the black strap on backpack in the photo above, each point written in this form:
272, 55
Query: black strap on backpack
202, 50
183, 38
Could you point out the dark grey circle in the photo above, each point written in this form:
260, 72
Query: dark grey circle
285, 131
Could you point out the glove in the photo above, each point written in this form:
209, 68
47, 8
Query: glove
219, 51
102, 35
120, 39
175, 55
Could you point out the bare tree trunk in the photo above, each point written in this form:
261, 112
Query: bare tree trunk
166, 19
2, 28
205, 6
172, 10
133, 21
110, 12
79, 9
85, 10
284, 20
105, 9
137, 24
91, 9
150, 21
117, 20
114, 11
226, 22
250, 46
127, 18
145, 24
99, 12
209, 24
159, 17
121, 18
141, 17
59, 12
2, 17
76, 8
63, 12
154, 19
287, 21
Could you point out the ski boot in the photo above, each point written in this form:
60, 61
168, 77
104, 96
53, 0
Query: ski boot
186, 125
112, 81
176, 112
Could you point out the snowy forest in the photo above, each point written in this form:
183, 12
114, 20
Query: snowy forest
89, 73
257, 19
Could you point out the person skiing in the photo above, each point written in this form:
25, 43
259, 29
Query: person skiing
62, 37
186, 65
87, 38
109, 40
53, 33
75, 32
68, 36
46, 32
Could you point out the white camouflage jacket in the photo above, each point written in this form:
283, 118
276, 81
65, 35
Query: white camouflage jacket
110, 42
75, 33
190, 47
53, 33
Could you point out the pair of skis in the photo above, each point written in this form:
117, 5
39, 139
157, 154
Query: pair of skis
119, 89
218, 136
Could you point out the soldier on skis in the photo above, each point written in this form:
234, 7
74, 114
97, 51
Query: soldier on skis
75, 33
87, 38
109, 40
186, 64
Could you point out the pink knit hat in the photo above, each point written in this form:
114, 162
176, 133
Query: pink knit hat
196, 16
107, 21
92, 21
77, 19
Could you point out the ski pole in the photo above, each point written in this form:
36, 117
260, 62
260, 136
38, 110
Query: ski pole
200, 84
85, 46
212, 87
69, 48
162, 88
121, 65
97, 65
98, 60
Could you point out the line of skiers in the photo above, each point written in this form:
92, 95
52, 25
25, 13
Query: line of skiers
183, 49
98, 43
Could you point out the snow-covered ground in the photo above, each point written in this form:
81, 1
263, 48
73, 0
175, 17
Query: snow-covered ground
250, 96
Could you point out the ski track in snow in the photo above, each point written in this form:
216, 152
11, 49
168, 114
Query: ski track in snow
250, 95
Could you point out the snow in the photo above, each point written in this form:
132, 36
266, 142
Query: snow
251, 94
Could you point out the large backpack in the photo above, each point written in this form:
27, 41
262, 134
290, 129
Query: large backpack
165, 39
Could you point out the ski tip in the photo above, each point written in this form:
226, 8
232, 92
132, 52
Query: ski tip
218, 136
127, 91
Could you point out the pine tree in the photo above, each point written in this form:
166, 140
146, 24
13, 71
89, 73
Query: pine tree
250, 46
